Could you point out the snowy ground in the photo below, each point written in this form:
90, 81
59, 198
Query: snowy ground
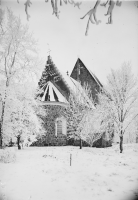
45, 174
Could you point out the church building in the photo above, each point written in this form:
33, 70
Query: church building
55, 89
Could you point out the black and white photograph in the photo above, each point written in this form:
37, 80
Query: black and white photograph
68, 100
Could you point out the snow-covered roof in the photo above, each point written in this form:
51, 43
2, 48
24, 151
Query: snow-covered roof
52, 91
76, 89
95, 78
53, 94
71, 83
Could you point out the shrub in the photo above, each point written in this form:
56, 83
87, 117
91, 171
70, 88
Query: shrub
7, 155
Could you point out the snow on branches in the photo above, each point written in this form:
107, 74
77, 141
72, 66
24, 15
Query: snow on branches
80, 117
91, 13
119, 102
54, 5
17, 60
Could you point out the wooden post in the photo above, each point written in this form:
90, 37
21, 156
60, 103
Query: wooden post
80, 143
70, 159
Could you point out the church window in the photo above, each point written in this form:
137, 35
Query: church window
60, 126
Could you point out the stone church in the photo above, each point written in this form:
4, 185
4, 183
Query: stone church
55, 89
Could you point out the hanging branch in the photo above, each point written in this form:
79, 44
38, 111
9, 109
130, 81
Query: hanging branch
77, 4
18, 1
65, 1
27, 4
118, 3
55, 5
91, 13
71, 1
110, 9
136, 3
56, 9
60, 2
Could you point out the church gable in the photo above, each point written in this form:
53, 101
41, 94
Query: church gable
52, 94
52, 82
85, 76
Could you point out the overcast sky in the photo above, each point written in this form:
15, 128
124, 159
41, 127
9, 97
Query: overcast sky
105, 47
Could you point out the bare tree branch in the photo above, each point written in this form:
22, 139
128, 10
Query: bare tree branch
110, 9
91, 13
77, 4
27, 4
129, 108
130, 122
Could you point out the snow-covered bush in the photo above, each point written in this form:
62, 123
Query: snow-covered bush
7, 155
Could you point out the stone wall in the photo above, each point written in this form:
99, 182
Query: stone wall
53, 140
53, 113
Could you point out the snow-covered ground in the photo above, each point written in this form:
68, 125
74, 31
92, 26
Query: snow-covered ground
95, 174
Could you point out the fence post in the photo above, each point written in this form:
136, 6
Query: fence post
70, 159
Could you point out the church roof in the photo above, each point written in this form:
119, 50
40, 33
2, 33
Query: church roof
52, 94
72, 84
59, 86
92, 74
76, 89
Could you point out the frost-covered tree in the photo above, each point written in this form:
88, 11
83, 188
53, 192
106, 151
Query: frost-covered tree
91, 126
136, 129
119, 104
80, 104
21, 119
17, 57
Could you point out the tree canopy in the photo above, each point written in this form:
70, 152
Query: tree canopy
18, 58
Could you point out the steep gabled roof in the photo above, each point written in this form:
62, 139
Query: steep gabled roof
52, 94
53, 91
96, 79
90, 72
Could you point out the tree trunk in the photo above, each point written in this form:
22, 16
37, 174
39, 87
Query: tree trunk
80, 143
0, 137
18, 142
1, 124
10, 143
121, 143
2, 114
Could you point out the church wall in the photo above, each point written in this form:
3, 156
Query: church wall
51, 138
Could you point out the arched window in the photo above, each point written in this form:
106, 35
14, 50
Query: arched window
60, 126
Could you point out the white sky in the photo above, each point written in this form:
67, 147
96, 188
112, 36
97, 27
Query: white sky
105, 47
